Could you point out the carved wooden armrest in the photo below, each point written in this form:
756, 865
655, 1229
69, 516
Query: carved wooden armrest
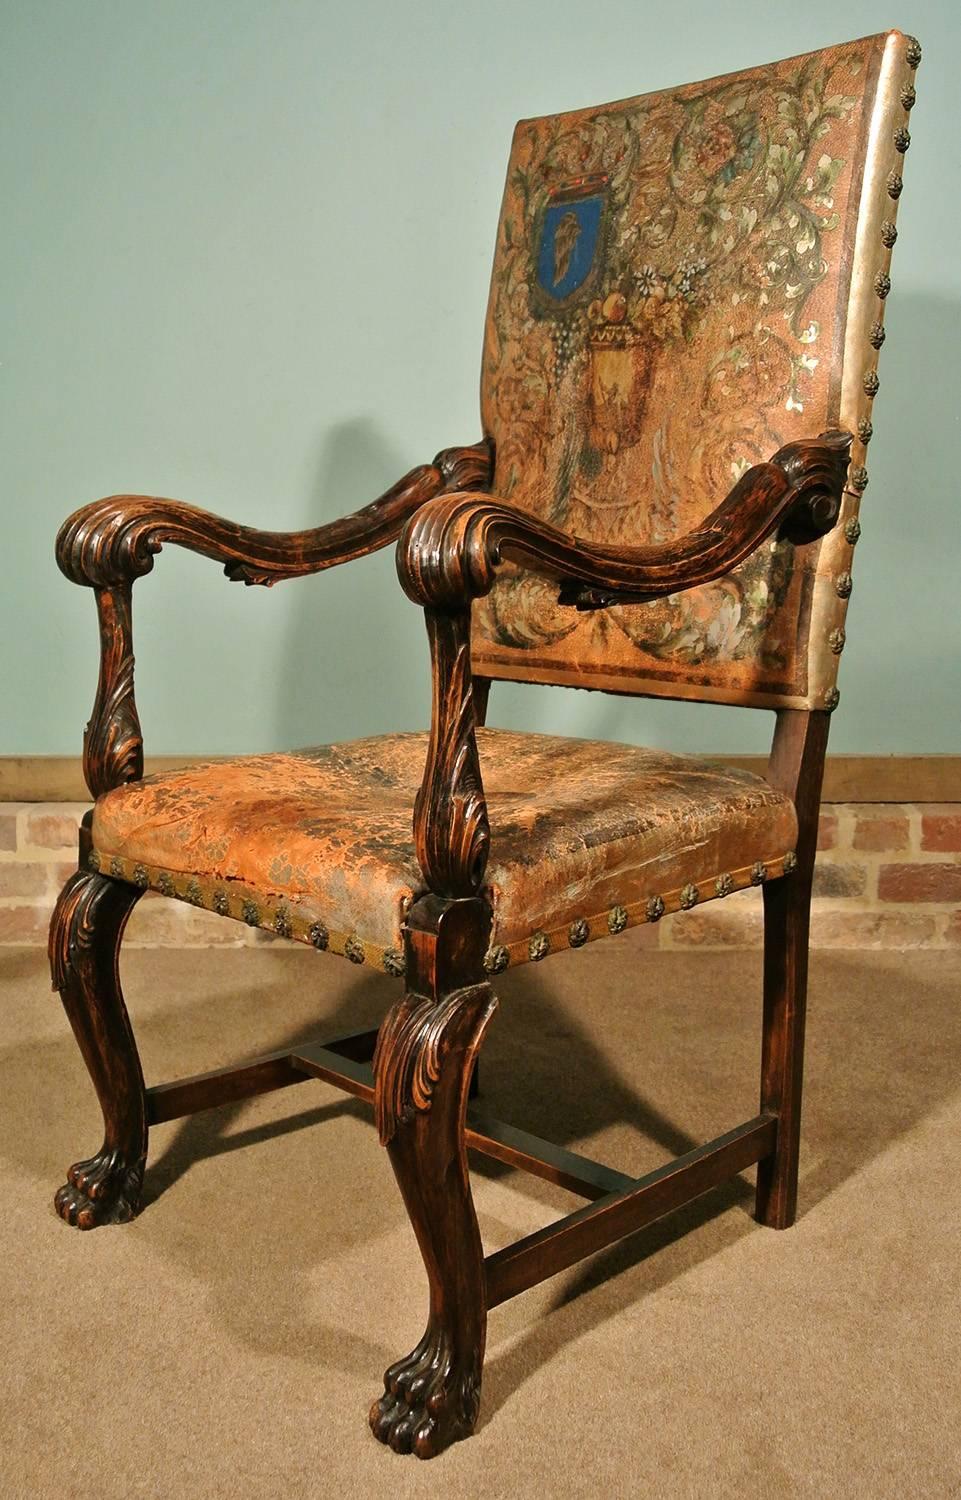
450, 552
112, 542
452, 548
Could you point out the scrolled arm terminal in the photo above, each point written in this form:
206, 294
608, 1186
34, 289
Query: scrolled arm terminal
115, 540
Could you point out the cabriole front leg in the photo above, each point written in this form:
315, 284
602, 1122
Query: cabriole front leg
422, 1068
85, 935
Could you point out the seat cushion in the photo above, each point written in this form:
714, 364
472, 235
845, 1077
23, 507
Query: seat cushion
587, 838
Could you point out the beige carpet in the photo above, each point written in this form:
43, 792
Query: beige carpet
228, 1343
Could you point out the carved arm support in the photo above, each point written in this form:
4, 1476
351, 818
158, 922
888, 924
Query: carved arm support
450, 552
112, 542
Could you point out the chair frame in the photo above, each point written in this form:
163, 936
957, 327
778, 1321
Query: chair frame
417, 1069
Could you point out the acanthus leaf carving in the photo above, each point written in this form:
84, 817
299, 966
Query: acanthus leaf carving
451, 827
411, 1046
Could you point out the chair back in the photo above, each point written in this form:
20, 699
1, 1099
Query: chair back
682, 283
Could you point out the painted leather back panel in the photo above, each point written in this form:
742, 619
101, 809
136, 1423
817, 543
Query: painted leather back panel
682, 283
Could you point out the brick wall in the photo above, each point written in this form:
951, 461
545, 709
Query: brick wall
38, 850
888, 876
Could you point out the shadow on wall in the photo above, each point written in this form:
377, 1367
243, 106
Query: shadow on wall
354, 656
902, 661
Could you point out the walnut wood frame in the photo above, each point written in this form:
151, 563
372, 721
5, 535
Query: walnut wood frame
417, 1069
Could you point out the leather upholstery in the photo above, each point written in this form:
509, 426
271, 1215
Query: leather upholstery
587, 838
683, 282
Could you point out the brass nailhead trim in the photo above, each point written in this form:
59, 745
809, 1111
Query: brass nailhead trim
354, 951
865, 431
539, 947
843, 585
889, 233
877, 335
393, 962
852, 530
895, 185
882, 285
836, 641
908, 97
790, 862
578, 933
902, 139
758, 873
858, 477
280, 918
871, 383
913, 53
831, 699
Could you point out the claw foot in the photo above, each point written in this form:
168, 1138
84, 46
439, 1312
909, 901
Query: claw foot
428, 1401
103, 1190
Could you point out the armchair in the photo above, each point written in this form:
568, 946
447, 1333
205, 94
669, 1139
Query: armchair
683, 283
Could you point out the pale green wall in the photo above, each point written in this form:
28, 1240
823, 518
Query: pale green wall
245, 259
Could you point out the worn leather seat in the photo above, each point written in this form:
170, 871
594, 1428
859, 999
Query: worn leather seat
587, 839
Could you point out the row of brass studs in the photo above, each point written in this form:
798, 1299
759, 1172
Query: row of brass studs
858, 474
497, 958
280, 920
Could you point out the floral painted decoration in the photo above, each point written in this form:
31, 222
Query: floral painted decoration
661, 317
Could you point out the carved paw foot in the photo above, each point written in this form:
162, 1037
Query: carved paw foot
103, 1190
428, 1402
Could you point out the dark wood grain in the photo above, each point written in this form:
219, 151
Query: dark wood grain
261, 1075
797, 768
85, 935
451, 827
188, 1096
115, 540
112, 739
529, 1153
422, 1066
552, 1249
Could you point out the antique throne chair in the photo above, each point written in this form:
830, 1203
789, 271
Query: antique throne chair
679, 371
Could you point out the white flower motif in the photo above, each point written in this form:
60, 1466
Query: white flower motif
646, 279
